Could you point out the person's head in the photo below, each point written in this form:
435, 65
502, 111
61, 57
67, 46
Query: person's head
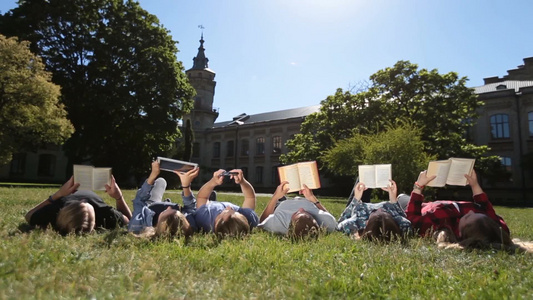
172, 222
478, 230
303, 224
77, 217
231, 223
381, 226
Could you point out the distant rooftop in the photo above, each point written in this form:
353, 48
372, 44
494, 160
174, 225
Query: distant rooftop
502, 85
270, 116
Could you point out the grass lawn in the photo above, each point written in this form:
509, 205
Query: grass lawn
43, 265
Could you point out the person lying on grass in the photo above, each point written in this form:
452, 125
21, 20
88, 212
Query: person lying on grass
71, 211
226, 218
153, 217
383, 221
297, 217
443, 219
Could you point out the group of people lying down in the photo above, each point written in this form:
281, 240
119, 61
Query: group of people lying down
453, 224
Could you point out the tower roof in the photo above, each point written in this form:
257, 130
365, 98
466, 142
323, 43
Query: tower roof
200, 61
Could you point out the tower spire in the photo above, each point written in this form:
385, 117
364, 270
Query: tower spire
200, 62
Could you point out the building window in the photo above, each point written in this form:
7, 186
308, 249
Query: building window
506, 162
196, 150
47, 164
230, 149
258, 174
275, 176
18, 164
499, 125
245, 147
260, 146
276, 145
216, 150
530, 121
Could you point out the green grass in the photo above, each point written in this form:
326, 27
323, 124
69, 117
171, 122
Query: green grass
43, 265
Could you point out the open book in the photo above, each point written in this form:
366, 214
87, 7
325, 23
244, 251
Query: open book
167, 164
91, 178
375, 176
451, 171
299, 174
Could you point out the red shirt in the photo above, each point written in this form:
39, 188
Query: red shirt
431, 216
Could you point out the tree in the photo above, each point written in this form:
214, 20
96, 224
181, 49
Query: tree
390, 146
122, 85
188, 140
439, 104
30, 112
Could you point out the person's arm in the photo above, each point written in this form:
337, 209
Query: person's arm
66, 189
246, 188
422, 181
474, 183
114, 191
208, 187
308, 194
281, 191
154, 174
186, 179
392, 189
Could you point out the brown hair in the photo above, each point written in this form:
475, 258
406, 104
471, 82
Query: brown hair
234, 225
381, 226
303, 225
169, 225
75, 217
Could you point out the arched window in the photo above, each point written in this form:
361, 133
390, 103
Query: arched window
216, 150
230, 149
260, 146
245, 147
499, 126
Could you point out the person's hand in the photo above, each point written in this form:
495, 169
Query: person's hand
392, 189
113, 190
358, 190
238, 177
281, 190
423, 178
187, 177
218, 179
66, 189
308, 194
472, 179
155, 168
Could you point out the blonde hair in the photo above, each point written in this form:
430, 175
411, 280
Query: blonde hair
75, 217
234, 226
169, 225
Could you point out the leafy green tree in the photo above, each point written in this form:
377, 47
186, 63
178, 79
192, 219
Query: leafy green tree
439, 104
400, 145
122, 85
30, 112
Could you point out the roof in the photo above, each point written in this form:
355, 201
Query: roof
270, 116
504, 85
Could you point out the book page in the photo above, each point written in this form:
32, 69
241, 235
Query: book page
171, 165
84, 176
290, 173
458, 168
308, 172
439, 168
367, 175
101, 177
383, 175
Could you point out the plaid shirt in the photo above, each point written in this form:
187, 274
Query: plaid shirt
355, 215
432, 216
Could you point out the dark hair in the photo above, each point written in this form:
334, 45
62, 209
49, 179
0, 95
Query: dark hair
303, 225
381, 226
479, 231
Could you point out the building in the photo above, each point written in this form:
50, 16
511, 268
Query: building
505, 124
254, 143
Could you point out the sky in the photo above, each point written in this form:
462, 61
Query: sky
273, 55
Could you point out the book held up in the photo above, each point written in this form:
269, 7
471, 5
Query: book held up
171, 165
451, 171
299, 174
91, 178
375, 176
